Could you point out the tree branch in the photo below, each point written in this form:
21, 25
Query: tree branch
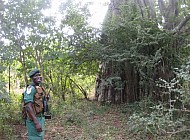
181, 24
80, 88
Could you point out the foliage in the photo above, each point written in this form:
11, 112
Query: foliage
8, 115
142, 44
136, 52
69, 62
19, 19
168, 119
35, 40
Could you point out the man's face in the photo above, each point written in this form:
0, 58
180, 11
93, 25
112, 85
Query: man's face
37, 78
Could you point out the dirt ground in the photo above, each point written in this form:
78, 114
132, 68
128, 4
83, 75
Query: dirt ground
54, 131
21, 131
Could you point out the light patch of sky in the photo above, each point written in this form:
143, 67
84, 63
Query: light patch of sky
98, 9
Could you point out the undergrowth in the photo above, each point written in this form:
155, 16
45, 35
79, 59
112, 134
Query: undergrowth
90, 121
137, 121
9, 116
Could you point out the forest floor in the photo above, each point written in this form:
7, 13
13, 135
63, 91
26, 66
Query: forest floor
87, 121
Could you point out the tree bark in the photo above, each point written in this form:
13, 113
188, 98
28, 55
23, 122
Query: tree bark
146, 4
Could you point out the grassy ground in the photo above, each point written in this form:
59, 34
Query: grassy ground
88, 120
83, 121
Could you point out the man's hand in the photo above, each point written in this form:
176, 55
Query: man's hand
38, 127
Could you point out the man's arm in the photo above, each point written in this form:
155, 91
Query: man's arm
31, 115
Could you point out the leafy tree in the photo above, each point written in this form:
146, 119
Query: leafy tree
19, 21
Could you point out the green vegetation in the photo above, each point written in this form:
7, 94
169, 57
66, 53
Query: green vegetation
144, 67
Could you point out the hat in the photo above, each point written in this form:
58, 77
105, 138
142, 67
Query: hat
33, 72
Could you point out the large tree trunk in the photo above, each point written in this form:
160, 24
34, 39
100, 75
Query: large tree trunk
130, 77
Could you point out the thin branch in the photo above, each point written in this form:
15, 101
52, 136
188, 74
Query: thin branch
80, 88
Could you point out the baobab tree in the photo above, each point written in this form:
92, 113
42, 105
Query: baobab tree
141, 40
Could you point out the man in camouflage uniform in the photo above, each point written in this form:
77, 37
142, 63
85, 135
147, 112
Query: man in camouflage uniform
34, 97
